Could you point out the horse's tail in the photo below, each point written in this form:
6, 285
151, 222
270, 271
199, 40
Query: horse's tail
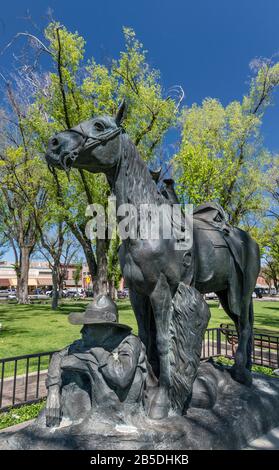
190, 316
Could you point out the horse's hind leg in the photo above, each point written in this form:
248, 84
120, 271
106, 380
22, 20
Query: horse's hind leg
243, 324
223, 297
241, 369
250, 340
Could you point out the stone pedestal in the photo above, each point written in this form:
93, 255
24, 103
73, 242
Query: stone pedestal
222, 415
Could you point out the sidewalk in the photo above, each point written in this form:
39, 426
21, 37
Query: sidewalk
33, 389
266, 298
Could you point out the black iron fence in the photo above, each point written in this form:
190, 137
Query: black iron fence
22, 378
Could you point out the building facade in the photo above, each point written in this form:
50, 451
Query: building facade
40, 276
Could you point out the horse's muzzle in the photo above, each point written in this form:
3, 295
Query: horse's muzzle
64, 161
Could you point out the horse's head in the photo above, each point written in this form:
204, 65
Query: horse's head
93, 145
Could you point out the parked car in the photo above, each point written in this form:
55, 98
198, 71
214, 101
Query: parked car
89, 293
210, 296
12, 296
259, 292
79, 292
4, 293
122, 294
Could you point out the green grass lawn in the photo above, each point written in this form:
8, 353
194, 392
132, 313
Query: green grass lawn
266, 315
27, 329
30, 329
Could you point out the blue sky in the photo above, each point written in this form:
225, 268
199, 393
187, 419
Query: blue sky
203, 45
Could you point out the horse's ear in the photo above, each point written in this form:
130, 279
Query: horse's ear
120, 113
156, 174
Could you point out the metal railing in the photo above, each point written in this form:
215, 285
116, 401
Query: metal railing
265, 350
22, 378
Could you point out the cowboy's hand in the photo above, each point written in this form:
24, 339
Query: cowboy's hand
53, 409
99, 353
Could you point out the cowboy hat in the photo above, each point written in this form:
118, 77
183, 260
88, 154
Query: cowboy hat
102, 311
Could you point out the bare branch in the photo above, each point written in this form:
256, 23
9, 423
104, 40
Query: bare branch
30, 36
59, 67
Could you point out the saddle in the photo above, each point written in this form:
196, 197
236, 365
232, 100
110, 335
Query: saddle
213, 215
210, 216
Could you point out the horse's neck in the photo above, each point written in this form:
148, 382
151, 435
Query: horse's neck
133, 183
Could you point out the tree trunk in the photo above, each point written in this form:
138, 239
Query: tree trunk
112, 290
24, 262
79, 233
100, 283
90, 258
55, 292
60, 282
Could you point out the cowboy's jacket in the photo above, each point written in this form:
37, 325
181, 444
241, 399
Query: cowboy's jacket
115, 375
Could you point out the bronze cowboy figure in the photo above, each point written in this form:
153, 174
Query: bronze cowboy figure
106, 369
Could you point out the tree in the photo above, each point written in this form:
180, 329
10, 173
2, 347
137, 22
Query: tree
77, 274
21, 176
270, 273
271, 256
114, 271
221, 157
59, 249
75, 91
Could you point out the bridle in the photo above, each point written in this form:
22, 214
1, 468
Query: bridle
88, 142
91, 142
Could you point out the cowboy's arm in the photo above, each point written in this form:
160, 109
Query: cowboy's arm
121, 364
53, 384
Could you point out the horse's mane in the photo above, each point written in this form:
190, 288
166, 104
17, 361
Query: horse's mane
140, 187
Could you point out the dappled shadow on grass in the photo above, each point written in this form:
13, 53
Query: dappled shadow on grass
8, 332
266, 321
273, 308
20, 312
66, 310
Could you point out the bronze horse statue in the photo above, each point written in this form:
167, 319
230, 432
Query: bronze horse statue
222, 259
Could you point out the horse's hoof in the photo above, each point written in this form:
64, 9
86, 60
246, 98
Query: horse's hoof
243, 375
159, 407
158, 412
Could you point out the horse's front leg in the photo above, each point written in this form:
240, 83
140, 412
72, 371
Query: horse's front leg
161, 304
139, 304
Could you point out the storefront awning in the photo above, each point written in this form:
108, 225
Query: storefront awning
44, 281
71, 283
5, 282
